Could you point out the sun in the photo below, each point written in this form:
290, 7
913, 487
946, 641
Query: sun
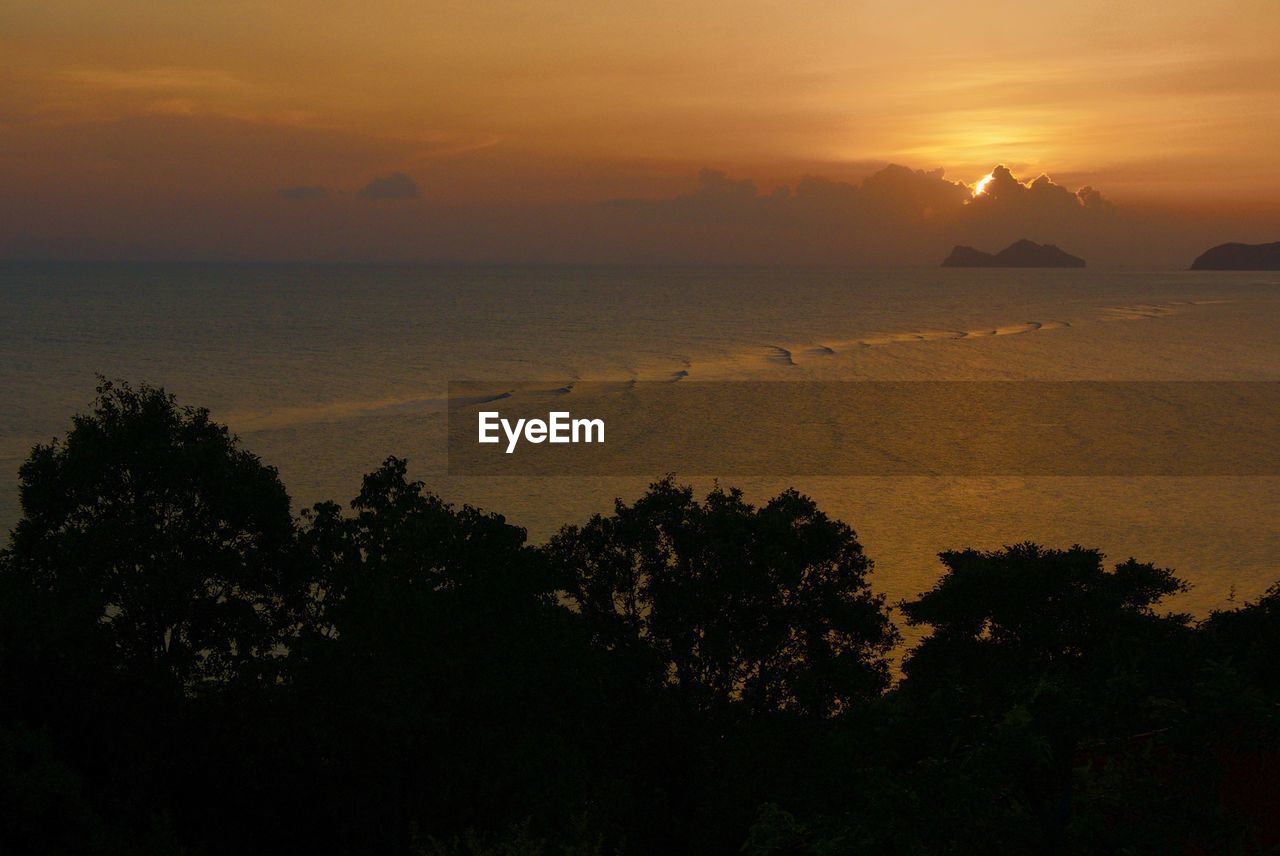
981, 187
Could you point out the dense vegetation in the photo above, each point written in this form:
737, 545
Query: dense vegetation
186, 667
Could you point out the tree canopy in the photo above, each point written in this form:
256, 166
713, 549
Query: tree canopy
185, 667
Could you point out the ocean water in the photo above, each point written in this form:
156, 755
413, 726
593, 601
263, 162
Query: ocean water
325, 371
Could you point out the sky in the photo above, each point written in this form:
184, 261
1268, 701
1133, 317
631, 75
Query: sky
549, 130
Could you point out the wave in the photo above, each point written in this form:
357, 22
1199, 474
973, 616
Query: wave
1141, 311
752, 362
780, 356
915, 336
471, 400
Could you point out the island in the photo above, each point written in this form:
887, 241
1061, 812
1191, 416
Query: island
1019, 254
1239, 257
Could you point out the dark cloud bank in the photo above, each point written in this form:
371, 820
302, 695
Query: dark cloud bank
894, 216
397, 185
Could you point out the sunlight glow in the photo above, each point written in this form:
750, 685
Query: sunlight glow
981, 186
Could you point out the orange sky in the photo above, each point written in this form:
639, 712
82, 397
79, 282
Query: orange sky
144, 104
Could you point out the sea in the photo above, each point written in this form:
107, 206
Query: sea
324, 371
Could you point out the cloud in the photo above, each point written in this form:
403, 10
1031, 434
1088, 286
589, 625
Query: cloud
303, 192
895, 215
902, 192
397, 185
1091, 198
894, 194
1005, 192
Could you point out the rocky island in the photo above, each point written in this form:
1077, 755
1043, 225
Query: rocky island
1239, 257
1019, 254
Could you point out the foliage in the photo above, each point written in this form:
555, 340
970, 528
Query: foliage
185, 667
152, 530
764, 609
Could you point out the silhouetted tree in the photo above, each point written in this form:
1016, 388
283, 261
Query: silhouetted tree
453, 687
151, 529
153, 563
1249, 638
759, 609
1050, 639
749, 625
186, 669
1025, 613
